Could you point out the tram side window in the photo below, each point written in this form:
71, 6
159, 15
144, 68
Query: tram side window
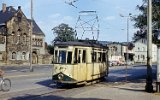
56, 56
69, 58
104, 57
84, 56
94, 56
79, 56
75, 55
62, 56
99, 57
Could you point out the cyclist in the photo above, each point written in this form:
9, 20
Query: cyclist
1, 73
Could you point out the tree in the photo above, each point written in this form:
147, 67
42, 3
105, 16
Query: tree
64, 33
141, 19
50, 49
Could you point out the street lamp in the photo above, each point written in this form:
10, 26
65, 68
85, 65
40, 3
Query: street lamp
149, 86
128, 18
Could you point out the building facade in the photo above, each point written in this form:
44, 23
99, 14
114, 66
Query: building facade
119, 51
140, 51
15, 38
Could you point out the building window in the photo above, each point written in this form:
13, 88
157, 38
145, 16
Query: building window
143, 57
138, 57
2, 39
143, 48
24, 38
0, 56
142, 40
23, 56
19, 17
14, 55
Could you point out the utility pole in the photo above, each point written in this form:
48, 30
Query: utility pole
31, 31
149, 86
158, 68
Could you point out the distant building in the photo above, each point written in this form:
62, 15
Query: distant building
15, 38
118, 52
140, 50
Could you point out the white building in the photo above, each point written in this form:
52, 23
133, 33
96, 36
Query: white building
140, 51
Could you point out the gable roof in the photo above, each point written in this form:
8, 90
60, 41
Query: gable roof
36, 28
10, 12
7, 15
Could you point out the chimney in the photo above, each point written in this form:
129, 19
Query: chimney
19, 7
3, 7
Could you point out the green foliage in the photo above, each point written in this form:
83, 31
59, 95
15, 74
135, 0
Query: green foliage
64, 33
140, 34
50, 49
141, 20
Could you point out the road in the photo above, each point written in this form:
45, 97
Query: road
37, 85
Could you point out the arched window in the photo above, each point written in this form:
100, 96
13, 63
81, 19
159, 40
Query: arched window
13, 55
13, 37
0, 56
23, 56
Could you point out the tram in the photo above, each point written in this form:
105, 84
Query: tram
79, 62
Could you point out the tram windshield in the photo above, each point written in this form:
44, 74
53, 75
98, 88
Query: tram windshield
63, 57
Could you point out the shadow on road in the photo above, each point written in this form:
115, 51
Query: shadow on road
47, 83
132, 74
51, 97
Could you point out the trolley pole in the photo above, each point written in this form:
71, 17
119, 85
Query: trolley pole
31, 31
149, 80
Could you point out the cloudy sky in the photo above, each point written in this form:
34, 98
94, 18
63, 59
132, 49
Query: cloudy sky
51, 13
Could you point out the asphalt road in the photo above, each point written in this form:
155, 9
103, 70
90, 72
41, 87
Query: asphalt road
37, 85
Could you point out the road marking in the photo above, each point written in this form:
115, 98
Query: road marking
27, 75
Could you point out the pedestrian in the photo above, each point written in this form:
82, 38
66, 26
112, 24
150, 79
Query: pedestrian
1, 73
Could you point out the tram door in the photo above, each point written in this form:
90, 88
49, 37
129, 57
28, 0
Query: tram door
81, 64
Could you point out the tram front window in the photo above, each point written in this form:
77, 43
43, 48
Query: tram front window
62, 57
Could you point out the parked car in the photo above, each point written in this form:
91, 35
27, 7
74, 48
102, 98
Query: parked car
120, 63
113, 63
129, 62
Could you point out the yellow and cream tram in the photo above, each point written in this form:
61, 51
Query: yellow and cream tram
79, 62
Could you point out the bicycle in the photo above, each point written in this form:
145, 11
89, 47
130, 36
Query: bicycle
5, 84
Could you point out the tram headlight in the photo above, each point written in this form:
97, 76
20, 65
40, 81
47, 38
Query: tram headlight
60, 76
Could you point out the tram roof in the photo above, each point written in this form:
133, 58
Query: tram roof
80, 43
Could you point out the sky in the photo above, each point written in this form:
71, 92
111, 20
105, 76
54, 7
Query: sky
51, 13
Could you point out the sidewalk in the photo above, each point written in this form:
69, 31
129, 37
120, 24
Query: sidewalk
21, 67
128, 91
